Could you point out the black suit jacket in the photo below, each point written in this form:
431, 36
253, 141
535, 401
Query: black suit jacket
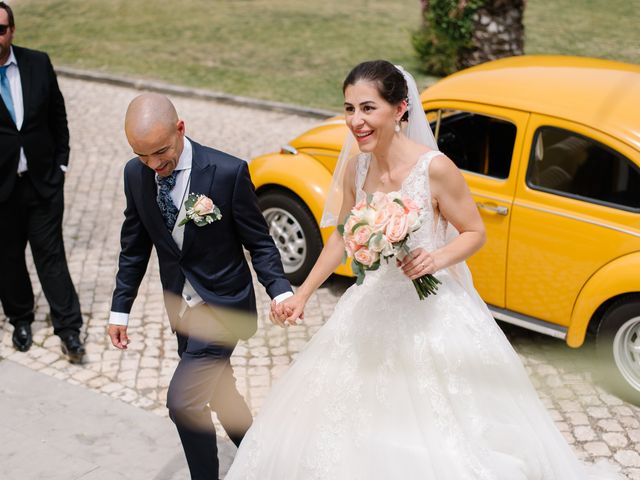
212, 256
44, 133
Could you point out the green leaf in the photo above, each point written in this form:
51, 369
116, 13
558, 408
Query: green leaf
358, 225
356, 267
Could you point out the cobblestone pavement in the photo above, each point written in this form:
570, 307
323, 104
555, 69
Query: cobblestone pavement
597, 423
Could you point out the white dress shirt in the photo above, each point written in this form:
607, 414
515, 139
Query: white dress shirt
179, 195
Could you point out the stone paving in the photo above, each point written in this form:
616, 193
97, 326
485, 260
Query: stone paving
598, 424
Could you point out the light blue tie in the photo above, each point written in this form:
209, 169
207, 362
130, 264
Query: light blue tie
5, 92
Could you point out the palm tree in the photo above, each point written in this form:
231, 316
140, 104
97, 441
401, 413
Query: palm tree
459, 33
498, 32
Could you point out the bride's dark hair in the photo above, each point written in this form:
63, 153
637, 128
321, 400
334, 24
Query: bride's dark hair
388, 79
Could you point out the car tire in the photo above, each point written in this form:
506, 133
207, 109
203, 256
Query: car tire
618, 347
295, 232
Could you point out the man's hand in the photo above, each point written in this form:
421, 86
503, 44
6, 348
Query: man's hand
288, 311
293, 309
118, 335
278, 313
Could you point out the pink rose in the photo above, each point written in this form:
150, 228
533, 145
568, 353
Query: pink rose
362, 235
381, 220
360, 205
393, 209
397, 228
366, 257
410, 205
351, 246
203, 206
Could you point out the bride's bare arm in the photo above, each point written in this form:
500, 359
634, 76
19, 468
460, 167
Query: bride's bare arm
454, 201
452, 198
331, 255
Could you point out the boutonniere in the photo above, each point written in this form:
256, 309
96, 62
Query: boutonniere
201, 210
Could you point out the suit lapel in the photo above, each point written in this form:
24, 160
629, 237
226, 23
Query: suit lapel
202, 173
149, 194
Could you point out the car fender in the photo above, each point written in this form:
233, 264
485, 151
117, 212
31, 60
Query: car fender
617, 277
300, 173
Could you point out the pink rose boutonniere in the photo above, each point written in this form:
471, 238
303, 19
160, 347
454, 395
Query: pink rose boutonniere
201, 210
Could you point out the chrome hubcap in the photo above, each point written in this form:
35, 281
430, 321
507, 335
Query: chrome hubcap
626, 351
288, 236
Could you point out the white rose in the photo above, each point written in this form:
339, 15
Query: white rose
379, 243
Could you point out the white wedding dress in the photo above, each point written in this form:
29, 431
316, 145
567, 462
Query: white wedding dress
392, 387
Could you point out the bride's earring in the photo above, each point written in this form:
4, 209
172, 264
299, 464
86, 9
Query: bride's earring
397, 127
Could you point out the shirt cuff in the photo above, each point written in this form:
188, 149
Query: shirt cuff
283, 296
119, 318
63, 168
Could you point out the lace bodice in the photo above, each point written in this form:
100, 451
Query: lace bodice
416, 185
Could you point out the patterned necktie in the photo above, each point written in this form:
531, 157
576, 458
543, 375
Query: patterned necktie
5, 92
167, 207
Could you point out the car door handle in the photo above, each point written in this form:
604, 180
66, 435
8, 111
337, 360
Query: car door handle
493, 208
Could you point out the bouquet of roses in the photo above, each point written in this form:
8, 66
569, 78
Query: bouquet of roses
378, 228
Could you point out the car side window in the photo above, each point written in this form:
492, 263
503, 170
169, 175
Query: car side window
573, 165
476, 143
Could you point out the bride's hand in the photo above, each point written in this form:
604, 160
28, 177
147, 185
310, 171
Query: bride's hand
294, 309
418, 263
278, 313
288, 311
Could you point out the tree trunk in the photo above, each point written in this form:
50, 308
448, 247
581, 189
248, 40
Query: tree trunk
498, 32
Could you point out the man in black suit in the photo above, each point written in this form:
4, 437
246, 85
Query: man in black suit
34, 153
207, 283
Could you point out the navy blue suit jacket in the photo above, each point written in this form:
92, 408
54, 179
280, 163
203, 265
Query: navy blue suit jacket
212, 256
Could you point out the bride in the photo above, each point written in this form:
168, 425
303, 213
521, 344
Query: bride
393, 387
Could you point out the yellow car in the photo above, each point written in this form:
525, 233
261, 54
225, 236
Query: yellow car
550, 148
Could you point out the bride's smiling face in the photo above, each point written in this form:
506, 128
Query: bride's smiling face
370, 117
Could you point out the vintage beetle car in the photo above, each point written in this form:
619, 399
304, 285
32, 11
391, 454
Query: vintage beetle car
550, 148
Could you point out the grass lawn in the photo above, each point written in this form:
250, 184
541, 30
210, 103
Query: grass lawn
295, 51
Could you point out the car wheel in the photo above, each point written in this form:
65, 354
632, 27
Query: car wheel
295, 232
618, 346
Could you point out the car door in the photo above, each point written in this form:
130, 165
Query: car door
485, 142
580, 189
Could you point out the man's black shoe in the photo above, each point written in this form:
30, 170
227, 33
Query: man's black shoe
22, 338
73, 348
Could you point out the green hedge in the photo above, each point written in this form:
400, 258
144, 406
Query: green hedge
446, 30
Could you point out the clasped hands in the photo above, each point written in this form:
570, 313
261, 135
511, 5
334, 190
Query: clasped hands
417, 263
287, 312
